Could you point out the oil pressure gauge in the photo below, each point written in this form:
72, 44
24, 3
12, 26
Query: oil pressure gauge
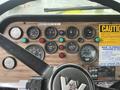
88, 53
36, 50
33, 33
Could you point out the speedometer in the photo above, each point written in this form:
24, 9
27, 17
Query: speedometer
88, 53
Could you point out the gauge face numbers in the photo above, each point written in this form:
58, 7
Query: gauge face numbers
72, 47
88, 53
51, 47
36, 50
72, 32
33, 33
9, 63
15, 33
89, 32
51, 32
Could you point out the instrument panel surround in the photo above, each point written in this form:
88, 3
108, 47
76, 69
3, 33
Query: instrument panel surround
21, 71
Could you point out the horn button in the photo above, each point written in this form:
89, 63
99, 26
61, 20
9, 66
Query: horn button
71, 77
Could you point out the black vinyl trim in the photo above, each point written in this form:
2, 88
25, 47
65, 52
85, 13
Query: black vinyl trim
58, 18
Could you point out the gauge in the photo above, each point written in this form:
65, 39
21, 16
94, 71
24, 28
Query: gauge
72, 47
72, 32
88, 53
51, 47
9, 63
89, 32
51, 32
33, 33
15, 33
36, 50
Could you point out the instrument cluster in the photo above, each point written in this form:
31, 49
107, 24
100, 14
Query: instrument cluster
55, 43
51, 40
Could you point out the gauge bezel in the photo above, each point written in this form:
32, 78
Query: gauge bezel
20, 30
75, 36
96, 57
55, 29
76, 51
36, 28
38, 46
15, 63
94, 34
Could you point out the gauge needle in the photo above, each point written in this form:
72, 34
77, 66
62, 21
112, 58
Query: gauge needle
24, 56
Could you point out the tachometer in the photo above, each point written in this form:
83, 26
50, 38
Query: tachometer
36, 50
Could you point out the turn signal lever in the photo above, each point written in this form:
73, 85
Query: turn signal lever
65, 77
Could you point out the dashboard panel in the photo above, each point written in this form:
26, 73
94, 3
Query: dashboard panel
56, 40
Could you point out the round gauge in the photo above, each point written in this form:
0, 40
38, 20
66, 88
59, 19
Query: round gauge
72, 47
33, 33
89, 32
9, 63
88, 53
36, 50
15, 33
51, 32
72, 32
51, 47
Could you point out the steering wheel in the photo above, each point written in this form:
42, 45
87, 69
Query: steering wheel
65, 77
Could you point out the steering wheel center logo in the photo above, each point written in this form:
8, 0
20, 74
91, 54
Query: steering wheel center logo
72, 85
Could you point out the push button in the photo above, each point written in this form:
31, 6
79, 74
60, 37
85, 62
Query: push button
61, 39
61, 47
61, 32
62, 55
24, 40
42, 40
97, 39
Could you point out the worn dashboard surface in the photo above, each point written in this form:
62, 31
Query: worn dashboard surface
56, 40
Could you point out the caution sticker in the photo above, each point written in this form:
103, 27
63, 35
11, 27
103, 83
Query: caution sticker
109, 47
109, 34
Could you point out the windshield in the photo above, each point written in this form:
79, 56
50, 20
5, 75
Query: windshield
40, 7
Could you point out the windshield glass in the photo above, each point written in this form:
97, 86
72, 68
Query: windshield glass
40, 7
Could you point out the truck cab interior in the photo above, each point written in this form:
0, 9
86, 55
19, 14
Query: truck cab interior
60, 45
